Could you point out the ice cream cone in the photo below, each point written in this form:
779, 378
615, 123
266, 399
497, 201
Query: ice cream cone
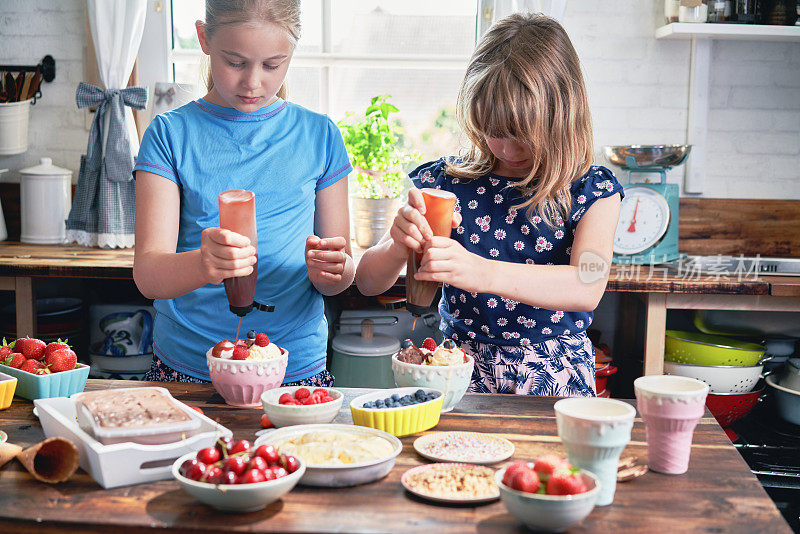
52, 460
8, 451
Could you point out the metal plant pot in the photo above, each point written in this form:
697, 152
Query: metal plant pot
373, 217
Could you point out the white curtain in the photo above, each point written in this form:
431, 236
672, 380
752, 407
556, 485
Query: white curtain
117, 27
503, 8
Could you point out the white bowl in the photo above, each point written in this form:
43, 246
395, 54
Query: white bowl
237, 497
451, 380
288, 414
335, 476
720, 378
549, 513
241, 382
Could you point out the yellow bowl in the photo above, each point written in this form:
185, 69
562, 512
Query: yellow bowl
400, 421
8, 384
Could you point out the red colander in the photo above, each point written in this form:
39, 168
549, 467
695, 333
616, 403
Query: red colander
730, 407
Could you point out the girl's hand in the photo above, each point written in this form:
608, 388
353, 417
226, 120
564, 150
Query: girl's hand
225, 254
325, 258
410, 230
448, 262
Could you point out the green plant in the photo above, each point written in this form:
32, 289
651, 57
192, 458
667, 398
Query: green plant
375, 149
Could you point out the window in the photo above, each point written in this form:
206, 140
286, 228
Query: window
352, 50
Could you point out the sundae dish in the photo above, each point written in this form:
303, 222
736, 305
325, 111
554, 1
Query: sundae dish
257, 346
430, 354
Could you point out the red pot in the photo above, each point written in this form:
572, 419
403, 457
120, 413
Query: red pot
730, 407
601, 376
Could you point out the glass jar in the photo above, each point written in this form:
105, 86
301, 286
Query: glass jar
745, 11
671, 10
719, 10
693, 11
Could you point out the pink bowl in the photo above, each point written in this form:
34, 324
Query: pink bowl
241, 382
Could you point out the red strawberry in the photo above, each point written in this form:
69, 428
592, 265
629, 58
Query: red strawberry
5, 351
15, 360
198, 410
285, 398
525, 480
262, 340
265, 422
429, 344
31, 347
239, 353
221, 347
565, 482
61, 360
549, 463
53, 347
35, 367
513, 469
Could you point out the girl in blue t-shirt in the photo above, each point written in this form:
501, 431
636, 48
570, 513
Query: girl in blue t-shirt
531, 213
242, 135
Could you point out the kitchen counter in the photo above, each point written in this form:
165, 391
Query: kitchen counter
718, 493
657, 287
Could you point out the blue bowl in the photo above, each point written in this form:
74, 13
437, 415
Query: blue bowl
63, 384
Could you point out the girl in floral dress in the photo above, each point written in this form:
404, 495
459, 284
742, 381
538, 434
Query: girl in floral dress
527, 260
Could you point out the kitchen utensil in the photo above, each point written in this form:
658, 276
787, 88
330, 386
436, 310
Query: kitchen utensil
787, 401
728, 408
647, 231
720, 378
14, 117
550, 513
601, 375
46, 198
342, 475
594, 431
288, 414
790, 378
400, 421
771, 325
447, 469
670, 406
452, 380
364, 359
466, 447
237, 497
704, 349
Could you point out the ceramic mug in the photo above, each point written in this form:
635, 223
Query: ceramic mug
594, 432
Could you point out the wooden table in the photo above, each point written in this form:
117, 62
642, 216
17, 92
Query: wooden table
657, 287
718, 493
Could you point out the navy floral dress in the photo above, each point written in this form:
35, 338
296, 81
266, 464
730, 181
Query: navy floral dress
518, 348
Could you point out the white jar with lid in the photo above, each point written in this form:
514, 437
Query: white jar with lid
45, 201
693, 11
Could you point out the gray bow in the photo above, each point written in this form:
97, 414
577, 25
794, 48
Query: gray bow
164, 95
116, 154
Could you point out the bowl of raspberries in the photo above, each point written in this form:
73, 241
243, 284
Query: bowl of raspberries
297, 405
547, 494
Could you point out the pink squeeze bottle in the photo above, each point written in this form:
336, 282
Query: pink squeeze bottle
237, 212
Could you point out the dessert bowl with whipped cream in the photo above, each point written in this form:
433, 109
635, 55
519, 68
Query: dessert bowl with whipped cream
444, 367
241, 371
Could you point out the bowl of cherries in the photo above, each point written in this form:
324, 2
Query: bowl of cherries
235, 477
293, 405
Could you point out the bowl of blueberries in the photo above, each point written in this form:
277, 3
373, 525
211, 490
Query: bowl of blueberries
398, 411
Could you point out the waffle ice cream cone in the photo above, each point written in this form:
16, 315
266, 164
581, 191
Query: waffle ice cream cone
52, 460
8, 451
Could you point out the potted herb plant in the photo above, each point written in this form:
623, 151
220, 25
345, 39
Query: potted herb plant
374, 145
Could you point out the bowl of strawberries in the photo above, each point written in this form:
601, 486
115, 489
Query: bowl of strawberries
548, 494
297, 405
43, 370
235, 477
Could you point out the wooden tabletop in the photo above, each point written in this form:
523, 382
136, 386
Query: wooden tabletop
718, 493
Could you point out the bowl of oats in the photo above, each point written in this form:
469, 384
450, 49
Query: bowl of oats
452, 483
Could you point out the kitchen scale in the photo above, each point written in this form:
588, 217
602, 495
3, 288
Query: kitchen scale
647, 232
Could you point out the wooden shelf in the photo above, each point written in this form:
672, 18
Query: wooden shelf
713, 30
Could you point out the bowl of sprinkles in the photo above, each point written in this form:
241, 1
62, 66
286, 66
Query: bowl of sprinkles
452, 483
464, 447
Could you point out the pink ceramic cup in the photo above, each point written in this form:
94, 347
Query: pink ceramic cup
670, 406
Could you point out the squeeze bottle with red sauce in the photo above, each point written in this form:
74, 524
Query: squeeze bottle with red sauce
439, 206
237, 212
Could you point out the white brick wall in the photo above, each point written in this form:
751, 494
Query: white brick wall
638, 90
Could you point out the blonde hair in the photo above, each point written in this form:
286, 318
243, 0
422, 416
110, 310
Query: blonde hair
283, 13
524, 82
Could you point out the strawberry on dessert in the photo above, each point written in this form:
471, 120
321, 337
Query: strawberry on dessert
257, 346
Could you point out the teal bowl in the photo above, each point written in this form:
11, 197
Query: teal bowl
63, 384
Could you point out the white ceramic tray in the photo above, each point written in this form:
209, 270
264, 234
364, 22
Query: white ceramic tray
120, 464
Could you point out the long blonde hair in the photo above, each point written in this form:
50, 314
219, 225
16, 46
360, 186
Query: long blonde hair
524, 82
283, 13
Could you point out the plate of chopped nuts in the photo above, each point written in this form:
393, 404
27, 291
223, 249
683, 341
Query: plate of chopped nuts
452, 483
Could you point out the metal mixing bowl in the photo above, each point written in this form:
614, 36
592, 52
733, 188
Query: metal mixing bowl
647, 155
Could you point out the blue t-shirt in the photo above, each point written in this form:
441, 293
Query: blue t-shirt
284, 153
494, 229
